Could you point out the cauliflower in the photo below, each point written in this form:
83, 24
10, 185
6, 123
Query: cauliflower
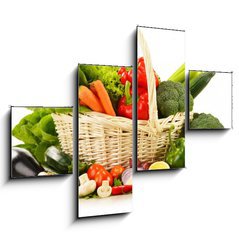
171, 98
205, 121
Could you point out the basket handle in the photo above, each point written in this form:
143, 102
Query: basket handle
152, 101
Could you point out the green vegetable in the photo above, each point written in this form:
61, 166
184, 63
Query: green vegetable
58, 162
117, 182
84, 109
179, 75
83, 166
109, 77
82, 80
198, 83
205, 121
175, 156
37, 132
171, 98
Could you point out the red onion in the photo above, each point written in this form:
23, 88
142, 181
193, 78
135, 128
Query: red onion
126, 176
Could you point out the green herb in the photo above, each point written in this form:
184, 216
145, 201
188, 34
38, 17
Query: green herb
117, 182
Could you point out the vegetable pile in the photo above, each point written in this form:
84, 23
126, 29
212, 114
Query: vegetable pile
96, 182
38, 134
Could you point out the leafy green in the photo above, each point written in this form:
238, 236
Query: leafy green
37, 131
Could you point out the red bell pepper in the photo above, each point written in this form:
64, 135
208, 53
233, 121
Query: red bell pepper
125, 108
141, 75
118, 190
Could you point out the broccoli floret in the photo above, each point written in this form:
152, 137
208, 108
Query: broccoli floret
171, 98
205, 121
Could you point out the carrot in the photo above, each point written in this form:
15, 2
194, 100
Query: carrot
82, 103
89, 98
99, 88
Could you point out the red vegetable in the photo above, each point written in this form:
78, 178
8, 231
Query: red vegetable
141, 74
93, 169
124, 77
121, 189
125, 107
102, 175
116, 171
121, 70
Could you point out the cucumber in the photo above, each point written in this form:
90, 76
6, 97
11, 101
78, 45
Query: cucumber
57, 161
198, 83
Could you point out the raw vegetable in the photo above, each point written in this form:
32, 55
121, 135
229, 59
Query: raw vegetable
109, 77
116, 171
141, 75
127, 176
175, 156
117, 182
93, 169
160, 165
179, 75
102, 175
125, 107
37, 131
83, 109
104, 190
86, 186
200, 82
121, 189
205, 121
24, 164
83, 167
171, 98
82, 78
57, 161
125, 75
99, 90
82, 103
89, 98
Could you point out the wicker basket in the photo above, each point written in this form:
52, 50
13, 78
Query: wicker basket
108, 140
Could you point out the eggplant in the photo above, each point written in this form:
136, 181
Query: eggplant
24, 164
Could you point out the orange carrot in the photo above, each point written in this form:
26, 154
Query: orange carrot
99, 88
82, 103
89, 98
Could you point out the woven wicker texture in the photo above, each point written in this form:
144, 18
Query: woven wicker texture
64, 128
108, 140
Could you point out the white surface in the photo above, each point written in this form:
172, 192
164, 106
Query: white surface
17, 114
167, 50
41, 43
103, 206
216, 99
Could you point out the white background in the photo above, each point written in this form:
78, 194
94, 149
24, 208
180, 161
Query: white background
216, 98
40, 45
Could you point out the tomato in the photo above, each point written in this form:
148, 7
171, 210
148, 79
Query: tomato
93, 169
116, 171
124, 77
121, 70
102, 175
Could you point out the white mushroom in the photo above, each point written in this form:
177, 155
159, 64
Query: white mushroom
86, 186
104, 190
